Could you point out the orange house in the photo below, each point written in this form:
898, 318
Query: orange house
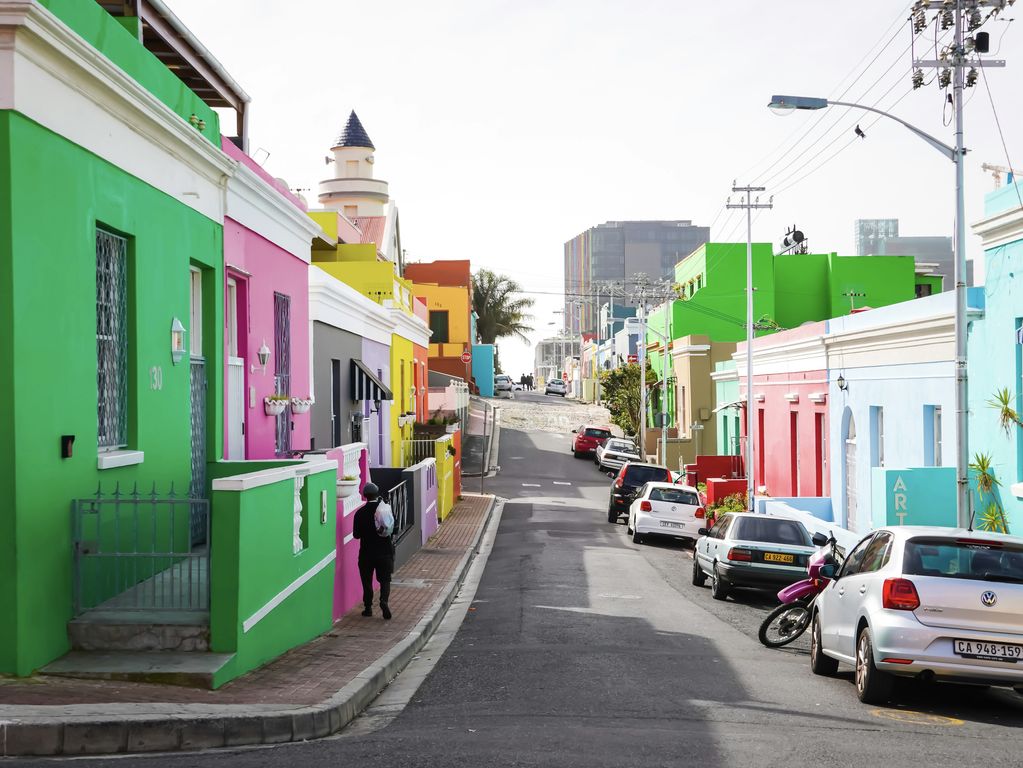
445, 287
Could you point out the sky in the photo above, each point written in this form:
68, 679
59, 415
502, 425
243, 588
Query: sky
507, 127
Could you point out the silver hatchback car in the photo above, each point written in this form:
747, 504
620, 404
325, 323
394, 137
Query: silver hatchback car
931, 603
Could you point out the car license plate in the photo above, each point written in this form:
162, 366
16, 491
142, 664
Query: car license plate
669, 524
778, 557
977, 649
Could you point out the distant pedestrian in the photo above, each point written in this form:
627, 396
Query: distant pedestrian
373, 527
529, 382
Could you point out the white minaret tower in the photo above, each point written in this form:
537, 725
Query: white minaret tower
354, 192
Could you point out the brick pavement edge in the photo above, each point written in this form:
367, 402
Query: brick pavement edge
236, 725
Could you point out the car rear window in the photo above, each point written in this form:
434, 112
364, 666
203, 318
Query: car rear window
770, 531
964, 559
674, 496
623, 446
597, 433
638, 475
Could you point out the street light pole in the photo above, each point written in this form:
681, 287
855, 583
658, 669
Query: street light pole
749, 204
956, 61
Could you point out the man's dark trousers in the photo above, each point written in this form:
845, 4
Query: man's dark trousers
383, 566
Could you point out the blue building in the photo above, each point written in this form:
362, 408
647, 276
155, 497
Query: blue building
994, 358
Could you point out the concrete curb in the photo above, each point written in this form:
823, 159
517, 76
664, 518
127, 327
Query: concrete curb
232, 725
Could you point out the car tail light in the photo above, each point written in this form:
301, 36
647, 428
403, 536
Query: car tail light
645, 506
897, 661
900, 595
744, 555
620, 481
980, 542
701, 513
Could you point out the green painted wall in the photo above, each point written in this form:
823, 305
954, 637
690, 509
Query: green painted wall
8, 551
884, 279
48, 292
801, 294
110, 37
727, 419
252, 538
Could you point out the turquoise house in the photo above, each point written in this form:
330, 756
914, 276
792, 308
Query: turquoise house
994, 350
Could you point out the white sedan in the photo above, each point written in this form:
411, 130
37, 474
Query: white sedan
928, 603
614, 453
665, 509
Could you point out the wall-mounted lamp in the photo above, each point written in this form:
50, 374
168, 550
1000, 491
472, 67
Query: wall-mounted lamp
264, 357
177, 341
842, 383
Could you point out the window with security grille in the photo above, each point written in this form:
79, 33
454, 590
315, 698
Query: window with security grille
111, 340
282, 369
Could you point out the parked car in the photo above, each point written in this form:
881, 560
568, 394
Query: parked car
930, 603
665, 509
614, 453
588, 438
751, 550
556, 387
631, 477
502, 383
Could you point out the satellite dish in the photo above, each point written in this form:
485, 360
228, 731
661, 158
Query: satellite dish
370, 159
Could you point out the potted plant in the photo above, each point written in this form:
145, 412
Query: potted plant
275, 404
451, 425
347, 486
301, 404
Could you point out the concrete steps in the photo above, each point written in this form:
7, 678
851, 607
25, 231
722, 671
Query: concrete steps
166, 667
155, 630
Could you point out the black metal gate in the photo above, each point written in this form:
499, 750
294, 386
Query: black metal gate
197, 487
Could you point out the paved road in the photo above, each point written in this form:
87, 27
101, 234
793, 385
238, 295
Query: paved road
584, 649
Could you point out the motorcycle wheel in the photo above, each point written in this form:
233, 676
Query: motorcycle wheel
784, 624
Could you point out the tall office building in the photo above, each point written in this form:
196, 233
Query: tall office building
871, 235
610, 254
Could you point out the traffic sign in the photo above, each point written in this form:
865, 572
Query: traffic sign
633, 358
466, 357
564, 376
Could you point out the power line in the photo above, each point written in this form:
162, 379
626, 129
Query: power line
998, 124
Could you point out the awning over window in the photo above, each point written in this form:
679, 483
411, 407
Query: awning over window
366, 385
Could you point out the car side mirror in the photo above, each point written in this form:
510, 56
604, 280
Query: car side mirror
819, 539
574, 431
703, 532
828, 571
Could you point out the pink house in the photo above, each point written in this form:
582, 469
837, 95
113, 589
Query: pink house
790, 411
267, 244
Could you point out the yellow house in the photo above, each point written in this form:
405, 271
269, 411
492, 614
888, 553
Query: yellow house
446, 288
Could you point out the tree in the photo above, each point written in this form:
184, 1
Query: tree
620, 392
500, 307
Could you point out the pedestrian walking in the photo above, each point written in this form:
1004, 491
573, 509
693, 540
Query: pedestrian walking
529, 382
374, 528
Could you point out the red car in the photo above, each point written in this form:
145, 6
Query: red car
587, 438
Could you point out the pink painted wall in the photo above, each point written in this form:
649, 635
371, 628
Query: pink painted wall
270, 269
236, 154
347, 587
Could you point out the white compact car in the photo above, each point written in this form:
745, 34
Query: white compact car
556, 387
614, 453
665, 509
931, 603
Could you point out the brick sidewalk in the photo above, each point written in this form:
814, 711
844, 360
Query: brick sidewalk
304, 676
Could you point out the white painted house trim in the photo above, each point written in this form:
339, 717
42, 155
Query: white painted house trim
257, 206
288, 591
411, 327
114, 459
1001, 228
339, 305
51, 75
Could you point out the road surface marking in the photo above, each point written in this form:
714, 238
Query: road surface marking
531, 485
917, 718
561, 482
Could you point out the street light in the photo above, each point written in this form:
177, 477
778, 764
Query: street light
787, 105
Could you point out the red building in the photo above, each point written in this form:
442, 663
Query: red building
790, 411
445, 287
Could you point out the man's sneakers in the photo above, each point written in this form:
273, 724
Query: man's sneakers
385, 611
367, 611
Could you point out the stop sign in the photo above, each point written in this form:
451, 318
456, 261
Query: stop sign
466, 357
564, 376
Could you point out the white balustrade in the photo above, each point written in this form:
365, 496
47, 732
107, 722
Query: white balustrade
297, 544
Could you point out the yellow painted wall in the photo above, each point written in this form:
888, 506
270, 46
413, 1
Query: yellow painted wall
401, 388
445, 478
456, 301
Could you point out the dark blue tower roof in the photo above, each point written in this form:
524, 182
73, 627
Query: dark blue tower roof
353, 134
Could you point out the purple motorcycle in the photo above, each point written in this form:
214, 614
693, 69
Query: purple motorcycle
790, 619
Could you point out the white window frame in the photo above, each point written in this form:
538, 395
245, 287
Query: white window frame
232, 318
195, 312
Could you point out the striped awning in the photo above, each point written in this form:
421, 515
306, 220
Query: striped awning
366, 385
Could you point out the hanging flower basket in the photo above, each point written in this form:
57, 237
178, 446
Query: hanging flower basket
347, 487
451, 428
275, 406
301, 404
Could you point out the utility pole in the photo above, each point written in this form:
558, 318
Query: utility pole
749, 204
665, 343
951, 64
641, 357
